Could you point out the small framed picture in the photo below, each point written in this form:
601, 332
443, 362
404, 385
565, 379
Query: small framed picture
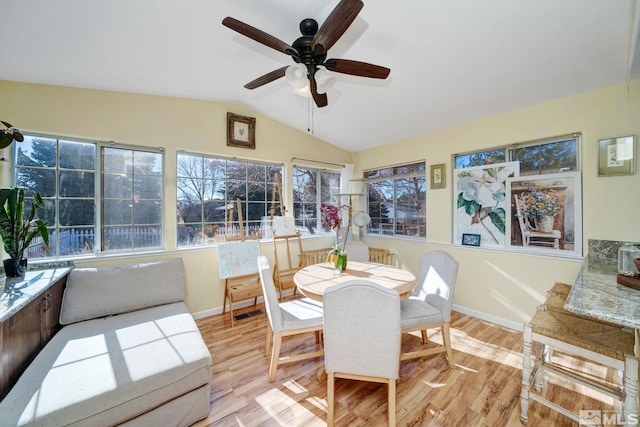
241, 131
471, 239
437, 176
616, 156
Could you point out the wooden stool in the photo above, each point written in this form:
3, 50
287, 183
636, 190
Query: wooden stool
552, 327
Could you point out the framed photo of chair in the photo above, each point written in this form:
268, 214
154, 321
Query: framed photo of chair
544, 212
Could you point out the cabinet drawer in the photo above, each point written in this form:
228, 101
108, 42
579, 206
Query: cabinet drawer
246, 291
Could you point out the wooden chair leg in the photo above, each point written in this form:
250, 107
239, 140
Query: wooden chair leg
425, 337
392, 403
275, 355
330, 399
226, 296
446, 340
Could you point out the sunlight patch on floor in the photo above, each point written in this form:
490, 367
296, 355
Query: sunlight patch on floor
485, 350
285, 411
294, 387
318, 403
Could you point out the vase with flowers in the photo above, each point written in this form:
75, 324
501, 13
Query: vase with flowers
332, 220
541, 206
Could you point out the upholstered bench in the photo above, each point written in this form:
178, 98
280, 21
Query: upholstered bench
129, 354
553, 328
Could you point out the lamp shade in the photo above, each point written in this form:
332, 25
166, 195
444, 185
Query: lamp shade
324, 80
296, 75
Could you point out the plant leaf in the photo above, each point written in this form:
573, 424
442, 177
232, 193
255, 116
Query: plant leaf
498, 218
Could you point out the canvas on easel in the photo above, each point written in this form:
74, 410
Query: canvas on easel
237, 265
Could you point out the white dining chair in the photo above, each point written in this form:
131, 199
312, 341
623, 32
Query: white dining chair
430, 304
356, 251
298, 316
361, 338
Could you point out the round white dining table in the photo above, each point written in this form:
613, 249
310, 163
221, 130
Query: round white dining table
312, 280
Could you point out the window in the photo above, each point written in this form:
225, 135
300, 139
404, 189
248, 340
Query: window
209, 190
397, 200
536, 209
479, 158
553, 155
131, 199
64, 172
311, 189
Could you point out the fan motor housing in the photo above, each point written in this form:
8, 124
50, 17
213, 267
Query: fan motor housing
308, 28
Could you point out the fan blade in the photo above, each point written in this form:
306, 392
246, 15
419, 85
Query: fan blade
267, 78
357, 68
336, 24
319, 98
259, 36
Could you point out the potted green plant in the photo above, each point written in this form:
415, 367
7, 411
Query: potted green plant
18, 229
8, 135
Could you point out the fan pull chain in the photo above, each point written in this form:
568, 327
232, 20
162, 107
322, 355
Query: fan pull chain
309, 113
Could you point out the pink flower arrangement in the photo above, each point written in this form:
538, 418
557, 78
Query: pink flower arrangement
330, 217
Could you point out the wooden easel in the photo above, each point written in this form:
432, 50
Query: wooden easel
242, 235
277, 189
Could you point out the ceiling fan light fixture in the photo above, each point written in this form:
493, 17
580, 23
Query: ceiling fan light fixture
324, 80
296, 75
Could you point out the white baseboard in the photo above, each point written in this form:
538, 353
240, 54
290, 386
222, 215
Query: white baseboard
490, 318
464, 310
218, 310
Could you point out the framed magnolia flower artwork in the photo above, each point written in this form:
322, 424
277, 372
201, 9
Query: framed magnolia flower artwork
480, 202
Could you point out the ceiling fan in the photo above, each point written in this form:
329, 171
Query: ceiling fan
310, 50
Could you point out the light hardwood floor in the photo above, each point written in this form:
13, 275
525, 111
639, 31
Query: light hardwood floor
481, 389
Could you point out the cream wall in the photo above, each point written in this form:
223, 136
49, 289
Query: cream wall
498, 285
175, 124
509, 285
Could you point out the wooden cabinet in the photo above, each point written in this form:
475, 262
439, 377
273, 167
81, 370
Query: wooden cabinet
27, 330
50, 306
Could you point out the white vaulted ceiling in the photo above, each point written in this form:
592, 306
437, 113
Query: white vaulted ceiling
451, 61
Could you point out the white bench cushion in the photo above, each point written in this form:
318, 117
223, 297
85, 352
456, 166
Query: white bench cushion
106, 371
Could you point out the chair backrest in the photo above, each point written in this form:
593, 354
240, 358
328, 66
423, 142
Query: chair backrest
381, 256
437, 282
314, 256
270, 295
525, 226
357, 251
362, 329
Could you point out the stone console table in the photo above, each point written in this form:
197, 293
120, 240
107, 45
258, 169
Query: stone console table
596, 294
29, 312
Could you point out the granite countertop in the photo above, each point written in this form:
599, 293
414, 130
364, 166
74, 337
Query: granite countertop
19, 291
596, 293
